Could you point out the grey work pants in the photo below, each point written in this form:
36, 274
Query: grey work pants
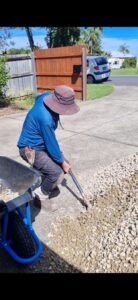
52, 172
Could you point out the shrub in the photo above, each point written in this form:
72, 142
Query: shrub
13, 51
3, 82
129, 62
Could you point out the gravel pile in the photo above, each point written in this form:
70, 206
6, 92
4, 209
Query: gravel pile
105, 238
106, 179
6, 192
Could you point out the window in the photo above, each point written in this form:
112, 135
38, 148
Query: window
101, 60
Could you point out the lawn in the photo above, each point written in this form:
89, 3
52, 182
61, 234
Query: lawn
125, 71
94, 91
99, 90
24, 103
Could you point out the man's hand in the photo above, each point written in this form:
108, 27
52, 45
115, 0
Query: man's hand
66, 167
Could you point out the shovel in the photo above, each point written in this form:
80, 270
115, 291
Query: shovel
83, 202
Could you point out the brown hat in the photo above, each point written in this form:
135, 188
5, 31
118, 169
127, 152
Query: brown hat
62, 101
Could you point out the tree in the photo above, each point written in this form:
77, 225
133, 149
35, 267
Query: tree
124, 48
29, 33
129, 62
5, 39
62, 36
13, 51
30, 37
91, 37
106, 53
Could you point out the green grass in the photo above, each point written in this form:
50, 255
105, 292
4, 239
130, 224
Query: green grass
99, 90
94, 91
23, 103
125, 71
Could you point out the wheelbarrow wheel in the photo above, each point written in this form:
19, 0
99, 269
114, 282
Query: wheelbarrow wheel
22, 241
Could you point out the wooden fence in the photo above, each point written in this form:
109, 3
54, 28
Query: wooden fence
61, 66
22, 76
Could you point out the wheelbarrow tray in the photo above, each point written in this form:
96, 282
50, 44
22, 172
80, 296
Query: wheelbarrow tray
19, 178
17, 235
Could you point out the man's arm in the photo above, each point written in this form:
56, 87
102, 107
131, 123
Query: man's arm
51, 143
53, 148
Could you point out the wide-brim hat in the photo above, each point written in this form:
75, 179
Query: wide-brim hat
62, 101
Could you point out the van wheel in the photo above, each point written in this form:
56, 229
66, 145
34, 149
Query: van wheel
90, 79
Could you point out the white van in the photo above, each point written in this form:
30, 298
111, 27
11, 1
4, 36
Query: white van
98, 69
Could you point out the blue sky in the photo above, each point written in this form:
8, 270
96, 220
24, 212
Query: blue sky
112, 38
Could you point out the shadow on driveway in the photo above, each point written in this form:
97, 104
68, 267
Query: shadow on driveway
48, 262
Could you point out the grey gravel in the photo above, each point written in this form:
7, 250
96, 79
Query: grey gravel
105, 238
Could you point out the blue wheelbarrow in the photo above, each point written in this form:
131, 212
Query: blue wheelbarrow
17, 235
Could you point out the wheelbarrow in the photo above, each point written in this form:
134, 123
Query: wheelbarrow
17, 235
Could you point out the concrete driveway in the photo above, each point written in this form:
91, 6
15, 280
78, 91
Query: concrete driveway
104, 130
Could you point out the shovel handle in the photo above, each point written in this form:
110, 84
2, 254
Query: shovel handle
76, 182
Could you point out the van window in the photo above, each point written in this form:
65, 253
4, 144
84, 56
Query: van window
101, 60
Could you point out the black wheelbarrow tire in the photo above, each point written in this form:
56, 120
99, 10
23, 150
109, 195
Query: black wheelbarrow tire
22, 241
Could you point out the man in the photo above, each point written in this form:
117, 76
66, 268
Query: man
38, 144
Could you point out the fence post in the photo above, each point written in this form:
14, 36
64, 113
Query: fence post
83, 75
34, 72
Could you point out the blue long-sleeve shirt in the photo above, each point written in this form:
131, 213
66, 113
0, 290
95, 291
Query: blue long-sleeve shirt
38, 130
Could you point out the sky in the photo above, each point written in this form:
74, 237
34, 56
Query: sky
112, 38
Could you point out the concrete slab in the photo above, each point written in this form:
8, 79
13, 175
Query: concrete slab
123, 130
92, 153
104, 130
